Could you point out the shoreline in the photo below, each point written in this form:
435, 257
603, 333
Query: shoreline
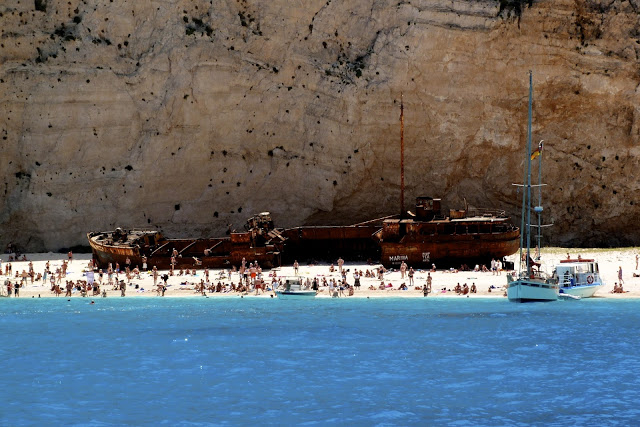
609, 261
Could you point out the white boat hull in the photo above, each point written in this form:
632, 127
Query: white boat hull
524, 290
582, 291
295, 294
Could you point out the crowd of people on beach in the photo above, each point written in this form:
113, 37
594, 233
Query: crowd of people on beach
247, 278
250, 279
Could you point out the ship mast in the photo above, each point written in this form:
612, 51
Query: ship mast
401, 158
538, 208
529, 175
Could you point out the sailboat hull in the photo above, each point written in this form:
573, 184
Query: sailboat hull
524, 290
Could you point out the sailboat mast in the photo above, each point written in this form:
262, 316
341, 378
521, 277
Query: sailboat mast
539, 207
401, 158
529, 174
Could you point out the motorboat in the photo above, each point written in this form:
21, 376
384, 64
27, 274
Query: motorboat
293, 288
578, 277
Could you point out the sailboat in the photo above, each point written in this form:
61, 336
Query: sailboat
531, 284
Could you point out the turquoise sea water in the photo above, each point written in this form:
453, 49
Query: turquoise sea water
191, 361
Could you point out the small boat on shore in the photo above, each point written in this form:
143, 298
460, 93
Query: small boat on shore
531, 284
293, 288
578, 277
567, 297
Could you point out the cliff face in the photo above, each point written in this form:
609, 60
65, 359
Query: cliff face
192, 115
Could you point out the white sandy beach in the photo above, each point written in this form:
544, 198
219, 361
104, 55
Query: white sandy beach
609, 261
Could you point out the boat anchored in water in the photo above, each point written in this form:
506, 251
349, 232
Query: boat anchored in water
293, 288
531, 284
578, 277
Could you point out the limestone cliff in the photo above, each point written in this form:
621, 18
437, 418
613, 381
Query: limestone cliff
189, 115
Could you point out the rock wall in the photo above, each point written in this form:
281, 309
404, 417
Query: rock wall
190, 115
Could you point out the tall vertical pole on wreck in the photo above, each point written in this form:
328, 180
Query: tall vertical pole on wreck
401, 158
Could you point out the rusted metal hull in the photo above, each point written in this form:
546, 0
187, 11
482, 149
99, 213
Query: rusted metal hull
420, 240
354, 242
449, 249
107, 254
191, 254
317, 243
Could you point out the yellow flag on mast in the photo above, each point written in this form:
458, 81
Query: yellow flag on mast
538, 151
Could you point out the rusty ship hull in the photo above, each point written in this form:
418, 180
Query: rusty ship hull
261, 242
326, 243
420, 240
428, 236
191, 253
449, 250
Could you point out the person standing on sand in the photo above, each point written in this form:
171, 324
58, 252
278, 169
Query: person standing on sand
340, 264
242, 271
403, 269
253, 273
620, 275
123, 288
411, 273
70, 256
425, 290
341, 288
296, 265
429, 279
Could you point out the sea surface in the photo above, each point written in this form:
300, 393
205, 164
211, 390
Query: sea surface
386, 362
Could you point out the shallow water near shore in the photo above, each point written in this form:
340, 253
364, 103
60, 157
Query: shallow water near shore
324, 361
